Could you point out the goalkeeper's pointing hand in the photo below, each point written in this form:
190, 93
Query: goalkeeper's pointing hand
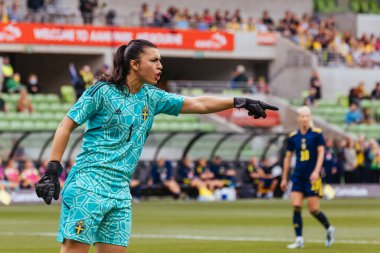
255, 108
48, 187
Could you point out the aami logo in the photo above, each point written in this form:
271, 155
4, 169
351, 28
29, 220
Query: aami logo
10, 33
216, 41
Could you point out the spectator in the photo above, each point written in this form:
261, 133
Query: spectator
35, 8
42, 168
24, 104
350, 162
311, 100
188, 176
7, 71
76, 80
146, 16
250, 25
375, 94
240, 78
329, 166
316, 83
207, 17
12, 175
32, 84
360, 148
104, 70
353, 116
110, 17
87, 76
4, 18
162, 175
373, 162
87, 8
368, 117
262, 86
157, 16
221, 172
267, 182
3, 106
252, 173
355, 96
29, 176
13, 85
267, 20
360, 89
203, 172
14, 12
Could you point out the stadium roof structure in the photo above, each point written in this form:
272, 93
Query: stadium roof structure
231, 146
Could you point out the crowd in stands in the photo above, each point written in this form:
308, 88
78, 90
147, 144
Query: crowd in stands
12, 84
346, 161
332, 46
356, 113
50, 11
247, 83
321, 36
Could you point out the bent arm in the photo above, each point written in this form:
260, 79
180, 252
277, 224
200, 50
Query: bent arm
206, 104
321, 156
61, 138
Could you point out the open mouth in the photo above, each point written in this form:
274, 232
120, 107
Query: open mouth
158, 75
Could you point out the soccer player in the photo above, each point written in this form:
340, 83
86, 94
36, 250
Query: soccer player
118, 111
309, 146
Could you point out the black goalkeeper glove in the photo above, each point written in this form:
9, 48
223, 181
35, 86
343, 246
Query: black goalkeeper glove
48, 187
255, 108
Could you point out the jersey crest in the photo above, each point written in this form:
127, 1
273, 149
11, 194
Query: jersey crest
145, 112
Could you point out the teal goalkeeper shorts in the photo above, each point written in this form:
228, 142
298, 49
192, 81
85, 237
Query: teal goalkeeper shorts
90, 218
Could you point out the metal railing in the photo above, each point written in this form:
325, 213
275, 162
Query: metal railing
197, 87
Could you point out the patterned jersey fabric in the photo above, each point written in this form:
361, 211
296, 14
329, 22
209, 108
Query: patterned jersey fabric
118, 124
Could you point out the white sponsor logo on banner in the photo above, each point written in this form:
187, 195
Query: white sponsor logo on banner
10, 33
161, 38
216, 41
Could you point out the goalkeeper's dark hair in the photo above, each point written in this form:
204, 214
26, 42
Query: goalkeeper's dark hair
122, 61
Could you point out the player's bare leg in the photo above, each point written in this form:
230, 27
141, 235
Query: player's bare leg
71, 246
297, 198
107, 248
173, 188
314, 206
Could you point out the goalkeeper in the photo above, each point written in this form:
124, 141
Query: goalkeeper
118, 111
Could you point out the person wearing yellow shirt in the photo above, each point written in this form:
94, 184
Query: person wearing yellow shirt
87, 76
7, 71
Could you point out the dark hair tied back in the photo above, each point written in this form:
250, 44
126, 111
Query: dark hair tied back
122, 61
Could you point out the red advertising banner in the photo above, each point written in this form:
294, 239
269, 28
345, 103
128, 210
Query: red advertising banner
241, 118
114, 36
266, 39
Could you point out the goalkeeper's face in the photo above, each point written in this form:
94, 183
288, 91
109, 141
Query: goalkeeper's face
149, 66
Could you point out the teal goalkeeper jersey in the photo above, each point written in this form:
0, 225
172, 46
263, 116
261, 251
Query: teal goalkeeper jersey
118, 124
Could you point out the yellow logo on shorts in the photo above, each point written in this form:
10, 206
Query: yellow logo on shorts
79, 227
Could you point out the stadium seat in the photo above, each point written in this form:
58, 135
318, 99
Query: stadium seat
4, 126
68, 94
355, 5
52, 98
374, 7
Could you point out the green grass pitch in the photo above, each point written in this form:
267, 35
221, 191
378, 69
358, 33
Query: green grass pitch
241, 226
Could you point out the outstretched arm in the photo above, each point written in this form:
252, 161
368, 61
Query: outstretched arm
208, 104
